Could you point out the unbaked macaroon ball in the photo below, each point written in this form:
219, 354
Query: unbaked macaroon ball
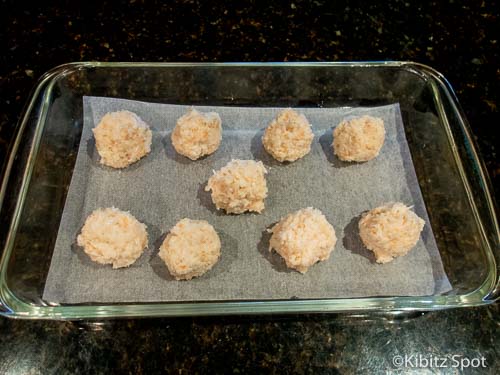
238, 187
359, 139
390, 231
288, 137
122, 138
190, 249
303, 238
197, 134
112, 236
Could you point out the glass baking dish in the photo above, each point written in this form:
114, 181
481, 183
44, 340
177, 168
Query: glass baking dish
450, 174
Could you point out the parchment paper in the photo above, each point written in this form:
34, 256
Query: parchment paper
165, 187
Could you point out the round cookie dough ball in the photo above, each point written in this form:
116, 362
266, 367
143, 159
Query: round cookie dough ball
288, 137
238, 187
303, 238
122, 138
390, 231
190, 249
197, 134
111, 236
359, 139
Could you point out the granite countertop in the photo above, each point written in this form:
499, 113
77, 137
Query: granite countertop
458, 38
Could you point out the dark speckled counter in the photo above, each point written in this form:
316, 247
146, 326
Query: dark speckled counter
458, 38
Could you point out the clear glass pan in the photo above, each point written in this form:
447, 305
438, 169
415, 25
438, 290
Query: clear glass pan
451, 176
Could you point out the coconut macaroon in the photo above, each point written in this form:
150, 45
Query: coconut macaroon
190, 249
359, 139
303, 238
122, 138
288, 137
112, 236
238, 187
197, 134
390, 231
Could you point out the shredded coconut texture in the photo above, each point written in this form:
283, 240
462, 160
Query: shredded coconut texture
359, 139
190, 249
122, 138
111, 236
303, 238
238, 187
288, 137
197, 134
390, 231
